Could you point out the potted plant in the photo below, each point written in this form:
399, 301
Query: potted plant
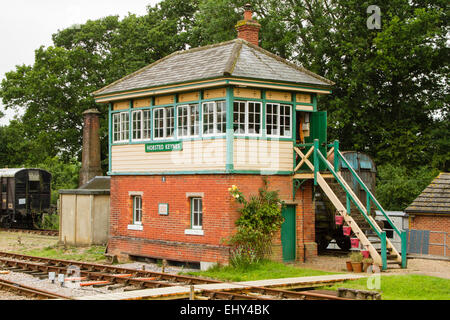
367, 262
356, 259
349, 265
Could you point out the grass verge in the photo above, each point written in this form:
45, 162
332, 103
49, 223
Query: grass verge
264, 269
88, 254
404, 287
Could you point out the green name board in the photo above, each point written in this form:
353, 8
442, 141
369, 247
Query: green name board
164, 146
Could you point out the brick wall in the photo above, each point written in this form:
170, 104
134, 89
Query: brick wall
434, 223
163, 236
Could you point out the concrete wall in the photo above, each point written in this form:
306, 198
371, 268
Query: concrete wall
84, 219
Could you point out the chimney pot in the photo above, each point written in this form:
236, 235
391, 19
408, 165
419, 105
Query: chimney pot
248, 29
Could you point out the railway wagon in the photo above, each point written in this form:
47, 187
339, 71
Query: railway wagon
25, 195
326, 228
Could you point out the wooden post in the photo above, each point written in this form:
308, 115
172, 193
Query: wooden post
191, 293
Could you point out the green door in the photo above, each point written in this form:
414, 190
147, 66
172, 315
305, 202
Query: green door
288, 233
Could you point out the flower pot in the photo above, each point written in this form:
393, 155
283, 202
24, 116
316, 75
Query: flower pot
365, 253
366, 266
349, 266
339, 220
354, 242
347, 230
357, 266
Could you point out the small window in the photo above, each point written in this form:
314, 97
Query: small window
121, 127
247, 117
164, 123
278, 120
137, 210
214, 118
188, 120
196, 213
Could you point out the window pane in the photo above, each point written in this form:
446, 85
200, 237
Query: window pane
208, 118
239, 117
158, 123
146, 132
183, 121
193, 119
254, 120
221, 116
137, 124
170, 122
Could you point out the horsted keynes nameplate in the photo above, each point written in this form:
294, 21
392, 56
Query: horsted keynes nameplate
164, 146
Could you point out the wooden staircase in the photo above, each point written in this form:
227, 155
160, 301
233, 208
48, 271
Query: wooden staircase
371, 236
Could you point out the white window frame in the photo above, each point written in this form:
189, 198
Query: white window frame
189, 125
246, 122
198, 212
122, 120
145, 125
278, 119
165, 122
137, 209
215, 118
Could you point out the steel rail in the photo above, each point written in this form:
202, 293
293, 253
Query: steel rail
29, 291
100, 272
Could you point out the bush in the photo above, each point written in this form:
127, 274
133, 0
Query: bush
398, 186
260, 218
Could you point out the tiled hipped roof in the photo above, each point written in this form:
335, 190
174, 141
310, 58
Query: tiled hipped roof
435, 198
235, 58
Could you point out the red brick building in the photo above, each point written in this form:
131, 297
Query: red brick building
186, 128
431, 211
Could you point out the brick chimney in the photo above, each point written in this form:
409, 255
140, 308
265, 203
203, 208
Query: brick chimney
248, 29
90, 164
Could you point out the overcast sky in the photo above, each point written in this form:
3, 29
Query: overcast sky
25, 25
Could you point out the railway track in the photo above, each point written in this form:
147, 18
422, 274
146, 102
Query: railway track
43, 232
133, 279
32, 292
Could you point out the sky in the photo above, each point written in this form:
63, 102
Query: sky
25, 25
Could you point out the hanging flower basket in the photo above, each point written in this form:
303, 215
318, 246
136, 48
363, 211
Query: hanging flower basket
365, 253
339, 220
354, 242
347, 230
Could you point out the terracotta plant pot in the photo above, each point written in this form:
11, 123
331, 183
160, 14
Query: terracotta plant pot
366, 266
349, 266
339, 220
357, 266
347, 230
354, 242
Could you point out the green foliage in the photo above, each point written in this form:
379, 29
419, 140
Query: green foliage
356, 256
404, 287
64, 175
260, 218
398, 186
263, 269
49, 222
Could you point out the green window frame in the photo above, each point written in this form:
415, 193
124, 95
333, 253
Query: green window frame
247, 118
214, 118
278, 120
164, 123
141, 125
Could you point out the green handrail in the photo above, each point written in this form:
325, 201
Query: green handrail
371, 198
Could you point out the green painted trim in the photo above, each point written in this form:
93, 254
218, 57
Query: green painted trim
148, 90
314, 99
404, 239
277, 83
230, 131
383, 250
262, 137
252, 172
110, 126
